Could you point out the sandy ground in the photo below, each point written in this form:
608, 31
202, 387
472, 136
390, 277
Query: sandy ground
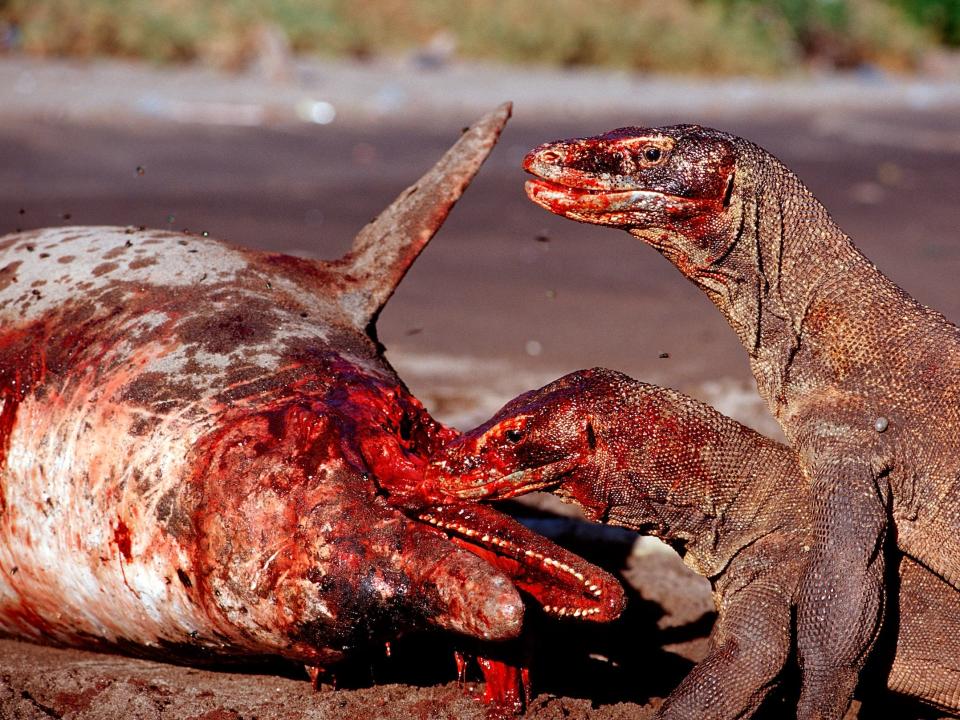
580, 672
506, 298
414, 682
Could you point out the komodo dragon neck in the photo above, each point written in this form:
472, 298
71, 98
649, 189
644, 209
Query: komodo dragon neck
777, 281
680, 470
804, 301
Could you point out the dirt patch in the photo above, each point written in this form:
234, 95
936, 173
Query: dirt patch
41, 682
580, 671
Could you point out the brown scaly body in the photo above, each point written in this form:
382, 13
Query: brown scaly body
733, 502
863, 379
204, 453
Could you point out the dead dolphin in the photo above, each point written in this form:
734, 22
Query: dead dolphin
204, 452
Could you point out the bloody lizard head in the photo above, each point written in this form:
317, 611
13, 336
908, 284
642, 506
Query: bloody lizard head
532, 442
700, 197
670, 186
597, 438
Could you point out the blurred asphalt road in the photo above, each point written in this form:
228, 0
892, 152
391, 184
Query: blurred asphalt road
506, 295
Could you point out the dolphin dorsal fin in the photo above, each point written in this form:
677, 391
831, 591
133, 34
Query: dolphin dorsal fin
383, 251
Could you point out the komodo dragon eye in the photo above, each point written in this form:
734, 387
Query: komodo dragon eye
652, 154
513, 436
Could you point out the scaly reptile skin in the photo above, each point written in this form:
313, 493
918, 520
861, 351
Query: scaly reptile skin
862, 378
735, 502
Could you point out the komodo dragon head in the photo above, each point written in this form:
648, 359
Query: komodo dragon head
531, 443
579, 437
730, 216
673, 187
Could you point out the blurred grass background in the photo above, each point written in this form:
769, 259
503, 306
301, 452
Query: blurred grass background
717, 37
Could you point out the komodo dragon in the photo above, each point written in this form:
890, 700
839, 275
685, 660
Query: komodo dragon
735, 502
863, 379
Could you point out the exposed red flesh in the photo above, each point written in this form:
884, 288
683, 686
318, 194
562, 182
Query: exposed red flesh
396, 437
507, 688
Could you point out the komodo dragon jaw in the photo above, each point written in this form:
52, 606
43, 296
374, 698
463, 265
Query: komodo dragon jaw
477, 466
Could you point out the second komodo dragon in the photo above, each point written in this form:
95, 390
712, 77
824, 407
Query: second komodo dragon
864, 380
736, 503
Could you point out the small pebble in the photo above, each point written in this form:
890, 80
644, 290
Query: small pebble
664, 355
881, 424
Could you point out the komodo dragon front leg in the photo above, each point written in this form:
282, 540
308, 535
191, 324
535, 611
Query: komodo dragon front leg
841, 599
734, 502
750, 644
864, 380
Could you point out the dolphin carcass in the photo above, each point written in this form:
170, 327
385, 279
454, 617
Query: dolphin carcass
204, 452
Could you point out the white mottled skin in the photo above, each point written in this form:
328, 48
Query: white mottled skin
72, 464
70, 528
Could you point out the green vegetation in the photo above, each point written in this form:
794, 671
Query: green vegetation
685, 36
940, 16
